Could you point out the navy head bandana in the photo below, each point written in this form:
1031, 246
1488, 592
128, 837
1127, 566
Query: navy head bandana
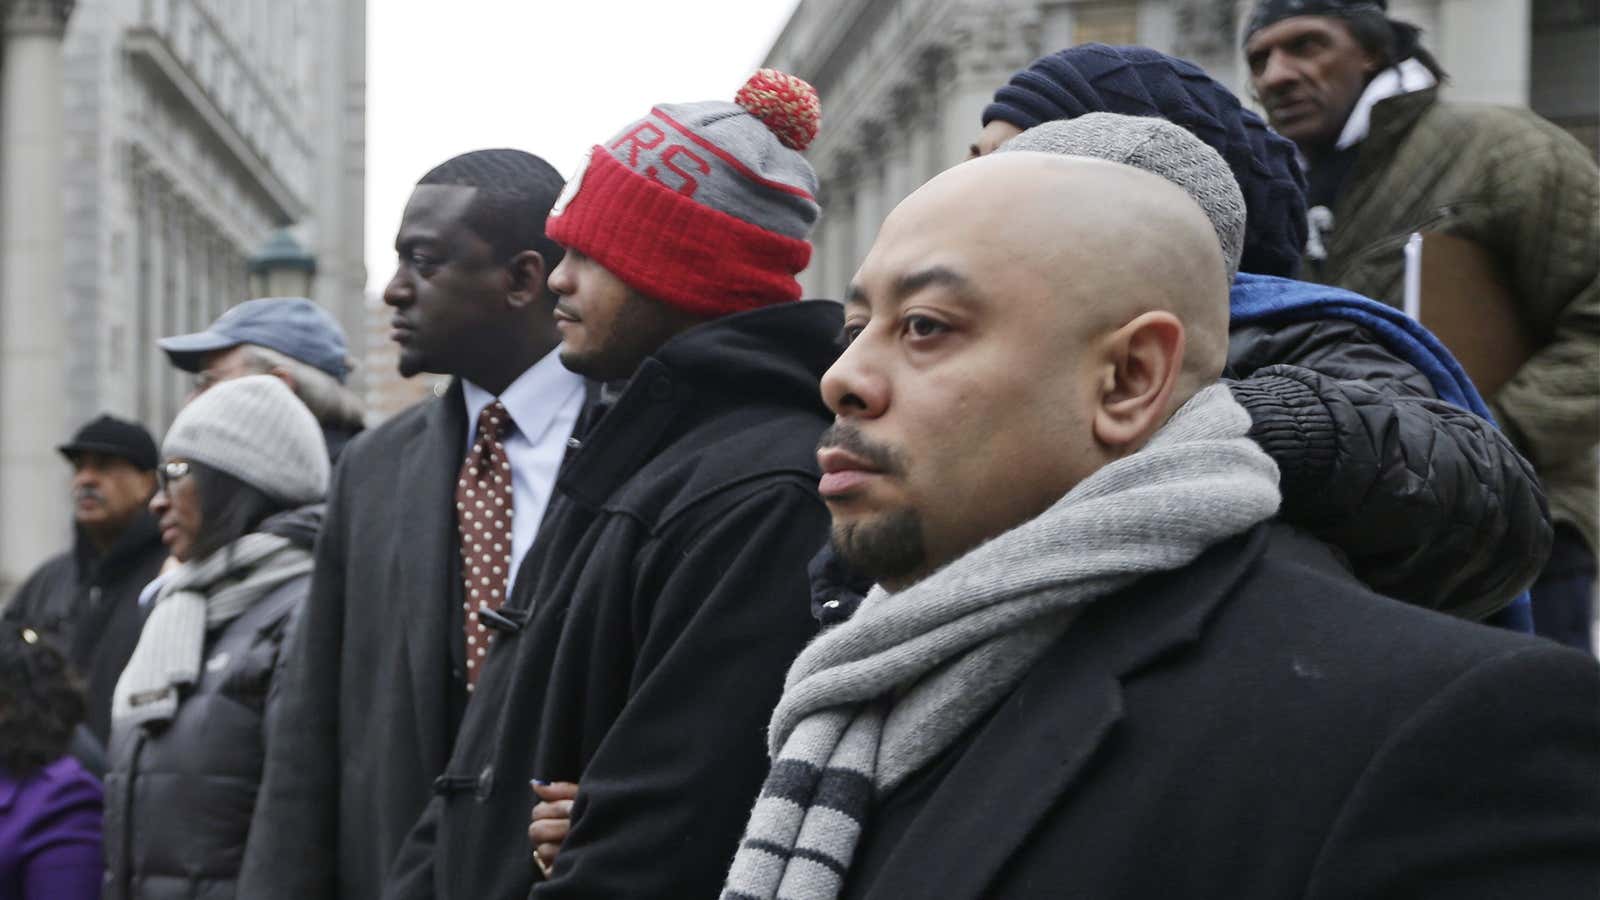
1270, 12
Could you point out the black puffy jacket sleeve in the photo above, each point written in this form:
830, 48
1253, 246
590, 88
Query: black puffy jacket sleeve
1429, 503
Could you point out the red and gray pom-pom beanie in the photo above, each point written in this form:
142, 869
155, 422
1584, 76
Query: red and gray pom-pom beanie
704, 206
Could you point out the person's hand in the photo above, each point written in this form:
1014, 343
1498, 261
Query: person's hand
552, 816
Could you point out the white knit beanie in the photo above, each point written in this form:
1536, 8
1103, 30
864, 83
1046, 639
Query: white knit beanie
255, 429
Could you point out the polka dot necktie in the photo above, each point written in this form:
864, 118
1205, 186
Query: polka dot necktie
483, 513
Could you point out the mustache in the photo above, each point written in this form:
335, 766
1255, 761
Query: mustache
87, 493
844, 436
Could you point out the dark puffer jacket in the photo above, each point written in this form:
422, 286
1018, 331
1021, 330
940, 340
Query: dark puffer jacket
1426, 502
180, 800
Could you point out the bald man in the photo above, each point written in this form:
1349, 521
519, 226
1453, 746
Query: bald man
1093, 665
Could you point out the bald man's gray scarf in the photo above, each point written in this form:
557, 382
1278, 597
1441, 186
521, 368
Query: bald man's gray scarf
876, 698
200, 595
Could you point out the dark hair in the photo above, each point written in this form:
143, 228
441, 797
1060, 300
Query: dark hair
515, 193
229, 509
1390, 40
41, 701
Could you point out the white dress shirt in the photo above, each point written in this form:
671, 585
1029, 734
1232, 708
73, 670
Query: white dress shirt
544, 403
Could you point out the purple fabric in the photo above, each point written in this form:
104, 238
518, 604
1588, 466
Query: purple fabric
50, 834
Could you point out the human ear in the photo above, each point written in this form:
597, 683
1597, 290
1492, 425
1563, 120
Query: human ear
283, 375
1145, 359
527, 271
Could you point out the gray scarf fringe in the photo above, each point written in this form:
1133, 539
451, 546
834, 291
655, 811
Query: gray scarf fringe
199, 596
881, 695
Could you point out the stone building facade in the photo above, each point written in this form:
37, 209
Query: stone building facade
186, 134
904, 82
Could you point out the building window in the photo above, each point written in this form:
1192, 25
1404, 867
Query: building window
1105, 23
1565, 71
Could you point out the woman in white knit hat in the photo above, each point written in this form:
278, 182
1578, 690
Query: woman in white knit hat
244, 470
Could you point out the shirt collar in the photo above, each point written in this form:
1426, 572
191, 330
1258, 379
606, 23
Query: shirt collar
533, 400
1406, 77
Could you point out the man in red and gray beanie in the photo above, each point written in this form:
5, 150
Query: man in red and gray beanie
695, 211
647, 637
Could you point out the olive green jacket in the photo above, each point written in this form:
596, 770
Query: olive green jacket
1529, 193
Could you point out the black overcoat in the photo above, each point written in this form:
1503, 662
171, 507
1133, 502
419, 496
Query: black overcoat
374, 688
89, 602
1255, 727
650, 628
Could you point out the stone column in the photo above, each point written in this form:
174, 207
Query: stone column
1485, 46
869, 199
840, 238
900, 177
926, 128
34, 509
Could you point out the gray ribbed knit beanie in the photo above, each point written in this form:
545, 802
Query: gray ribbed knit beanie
1160, 148
255, 429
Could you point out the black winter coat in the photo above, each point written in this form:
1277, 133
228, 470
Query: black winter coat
90, 603
181, 799
650, 629
375, 687
1428, 503
1256, 727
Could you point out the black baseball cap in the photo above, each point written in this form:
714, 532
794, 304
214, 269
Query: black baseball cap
114, 437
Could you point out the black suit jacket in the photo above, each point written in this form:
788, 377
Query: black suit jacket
375, 689
1259, 726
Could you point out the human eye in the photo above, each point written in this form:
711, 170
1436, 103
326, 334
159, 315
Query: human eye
420, 259
849, 333
1305, 45
920, 327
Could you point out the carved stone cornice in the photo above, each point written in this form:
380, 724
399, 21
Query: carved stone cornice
905, 106
46, 17
1204, 27
995, 37
872, 137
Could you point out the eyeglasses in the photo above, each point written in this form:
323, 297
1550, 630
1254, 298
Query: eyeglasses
169, 472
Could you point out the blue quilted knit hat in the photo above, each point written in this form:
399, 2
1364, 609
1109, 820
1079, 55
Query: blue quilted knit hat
1138, 81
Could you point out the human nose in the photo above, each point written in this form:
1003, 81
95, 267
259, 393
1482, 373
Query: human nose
398, 291
159, 502
853, 387
1276, 74
561, 281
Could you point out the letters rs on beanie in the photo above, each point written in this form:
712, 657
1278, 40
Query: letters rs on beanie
1160, 148
256, 430
703, 206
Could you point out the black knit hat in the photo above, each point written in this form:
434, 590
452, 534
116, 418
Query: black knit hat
113, 437
1268, 12
1138, 81
1407, 37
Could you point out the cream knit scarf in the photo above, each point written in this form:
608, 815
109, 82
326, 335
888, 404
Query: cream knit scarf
199, 595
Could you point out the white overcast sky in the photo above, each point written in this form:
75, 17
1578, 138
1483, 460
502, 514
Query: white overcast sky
552, 78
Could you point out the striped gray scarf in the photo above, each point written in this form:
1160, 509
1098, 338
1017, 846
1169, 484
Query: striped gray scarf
881, 695
199, 595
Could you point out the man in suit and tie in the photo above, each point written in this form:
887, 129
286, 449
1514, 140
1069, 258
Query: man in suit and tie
428, 518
